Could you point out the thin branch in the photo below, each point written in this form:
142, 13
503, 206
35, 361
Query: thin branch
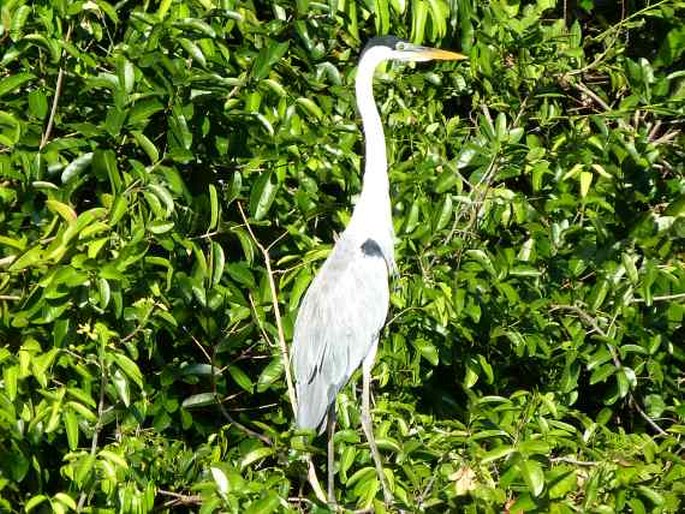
6, 261
614, 31
55, 100
664, 298
248, 431
645, 416
180, 499
202, 349
265, 335
589, 320
277, 311
141, 326
311, 470
614, 357
431, 481
98, 426
575, 462
594, 96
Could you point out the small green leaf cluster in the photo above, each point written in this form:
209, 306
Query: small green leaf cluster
164, 167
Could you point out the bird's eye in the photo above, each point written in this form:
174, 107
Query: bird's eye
401, 46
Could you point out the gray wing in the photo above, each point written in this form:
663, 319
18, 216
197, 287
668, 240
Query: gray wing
339, 321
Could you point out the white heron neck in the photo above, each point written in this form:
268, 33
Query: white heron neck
372, 215
376, 159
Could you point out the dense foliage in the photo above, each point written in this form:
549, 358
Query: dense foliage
534, 353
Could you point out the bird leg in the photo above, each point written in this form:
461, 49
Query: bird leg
330, 432
368, 428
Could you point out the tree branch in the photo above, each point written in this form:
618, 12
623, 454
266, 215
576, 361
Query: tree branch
591, 94
55, 100
589, 320
180, 499
98, 426
664, 298
277, 311
575, 462
248, 431
311, 470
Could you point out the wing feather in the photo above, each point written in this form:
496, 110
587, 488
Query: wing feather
339, 320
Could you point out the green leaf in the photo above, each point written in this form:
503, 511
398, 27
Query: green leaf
533, 475
10, 377
129, 367
220, 479
147, 145
19, 20
65, 500
498, 453
267, 57
213, 208
84, 467
601, 373
199, 400
65, 211
241, 378
71, 428
179, 128
31, 257
34, 501
271, 373
105, 161
256, 455
121, 386
82, 410
263, 194
14, 82
38, 103
114, 458
427, 350
143, 110
241, 273
194, 51
269, 503
310, 108
585, 182
650, 494
75, 167
218, 261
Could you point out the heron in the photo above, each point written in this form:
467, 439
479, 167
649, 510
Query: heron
344, 309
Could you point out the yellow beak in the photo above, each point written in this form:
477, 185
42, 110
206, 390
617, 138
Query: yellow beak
442, 55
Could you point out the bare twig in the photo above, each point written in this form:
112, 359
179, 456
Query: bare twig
614, 30
248, 431
180, 499
589, 320
575, 462
664, 298
431, 481
97, 428
590, 93
277, 311
140, 326
645, 416
311, 470
55, 100
259, 321
6, 261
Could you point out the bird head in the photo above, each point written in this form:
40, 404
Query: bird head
392, 48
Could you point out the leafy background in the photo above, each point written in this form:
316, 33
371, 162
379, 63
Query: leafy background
533, 356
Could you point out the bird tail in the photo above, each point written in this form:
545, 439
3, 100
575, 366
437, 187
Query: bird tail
312, 404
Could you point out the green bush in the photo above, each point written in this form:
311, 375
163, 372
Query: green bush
533, 357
